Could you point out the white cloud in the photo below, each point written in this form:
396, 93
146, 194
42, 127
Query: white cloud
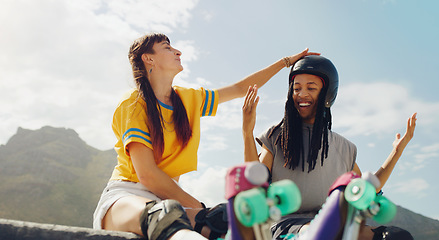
371, 145
172, 13
208, 15
433, 148
189, 54
414, 187
379, 108
422, 157
64, 63
207, 185
213, 142
229, 116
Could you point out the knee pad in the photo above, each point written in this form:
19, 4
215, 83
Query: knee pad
159, 221
391, 233
215, 219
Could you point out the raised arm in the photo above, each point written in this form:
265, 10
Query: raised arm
157, 181
248, 124
399, 144
258, 78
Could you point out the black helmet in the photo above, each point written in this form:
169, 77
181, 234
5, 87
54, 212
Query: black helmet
321, 67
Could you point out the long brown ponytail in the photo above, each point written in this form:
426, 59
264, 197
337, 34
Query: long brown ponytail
155, 119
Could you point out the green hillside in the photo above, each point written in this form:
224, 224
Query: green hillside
52, 176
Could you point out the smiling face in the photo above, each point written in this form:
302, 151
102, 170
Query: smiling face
306, 90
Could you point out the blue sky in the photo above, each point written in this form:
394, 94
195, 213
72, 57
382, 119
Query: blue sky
64, 64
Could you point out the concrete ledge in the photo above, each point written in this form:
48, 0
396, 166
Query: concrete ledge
19, 230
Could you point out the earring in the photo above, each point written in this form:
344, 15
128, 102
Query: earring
150, 70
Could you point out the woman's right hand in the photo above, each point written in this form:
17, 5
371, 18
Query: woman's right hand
249, 109
294, 58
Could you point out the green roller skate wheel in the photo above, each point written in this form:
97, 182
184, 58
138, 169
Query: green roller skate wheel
387, 210
360, 193
251, 207
286, 195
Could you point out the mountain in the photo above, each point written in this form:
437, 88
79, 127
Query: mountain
52, 176
418, 225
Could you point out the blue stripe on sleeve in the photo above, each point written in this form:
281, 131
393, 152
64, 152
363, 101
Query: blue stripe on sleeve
205, 103
137, 136
142, 136
212, 103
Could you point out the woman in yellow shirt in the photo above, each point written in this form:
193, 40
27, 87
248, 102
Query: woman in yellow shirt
157, 126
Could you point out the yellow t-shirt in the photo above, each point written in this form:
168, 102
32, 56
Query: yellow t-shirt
130, 125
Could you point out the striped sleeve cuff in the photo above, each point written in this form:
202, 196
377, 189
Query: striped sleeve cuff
210, 102
133, 133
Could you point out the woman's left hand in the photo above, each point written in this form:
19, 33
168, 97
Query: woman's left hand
249, 109
409, 133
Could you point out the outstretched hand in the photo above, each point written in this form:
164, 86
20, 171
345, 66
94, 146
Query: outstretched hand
249, 109
401, 143
294, 58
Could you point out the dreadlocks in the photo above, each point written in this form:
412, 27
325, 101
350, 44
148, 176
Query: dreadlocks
291, 138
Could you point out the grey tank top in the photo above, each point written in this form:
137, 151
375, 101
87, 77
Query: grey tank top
313, 185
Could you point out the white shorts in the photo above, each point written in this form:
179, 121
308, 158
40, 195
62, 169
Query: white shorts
114, 191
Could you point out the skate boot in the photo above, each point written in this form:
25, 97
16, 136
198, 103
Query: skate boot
253, 205
351, 200
364, 203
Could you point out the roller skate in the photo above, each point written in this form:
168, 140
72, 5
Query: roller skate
253, 205
364, 203
350, 202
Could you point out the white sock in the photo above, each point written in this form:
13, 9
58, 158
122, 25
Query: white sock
186, 234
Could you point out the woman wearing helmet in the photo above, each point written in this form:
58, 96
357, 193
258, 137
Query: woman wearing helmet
302, 146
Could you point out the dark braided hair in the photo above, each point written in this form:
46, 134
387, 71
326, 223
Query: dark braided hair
155, 119
291, 138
